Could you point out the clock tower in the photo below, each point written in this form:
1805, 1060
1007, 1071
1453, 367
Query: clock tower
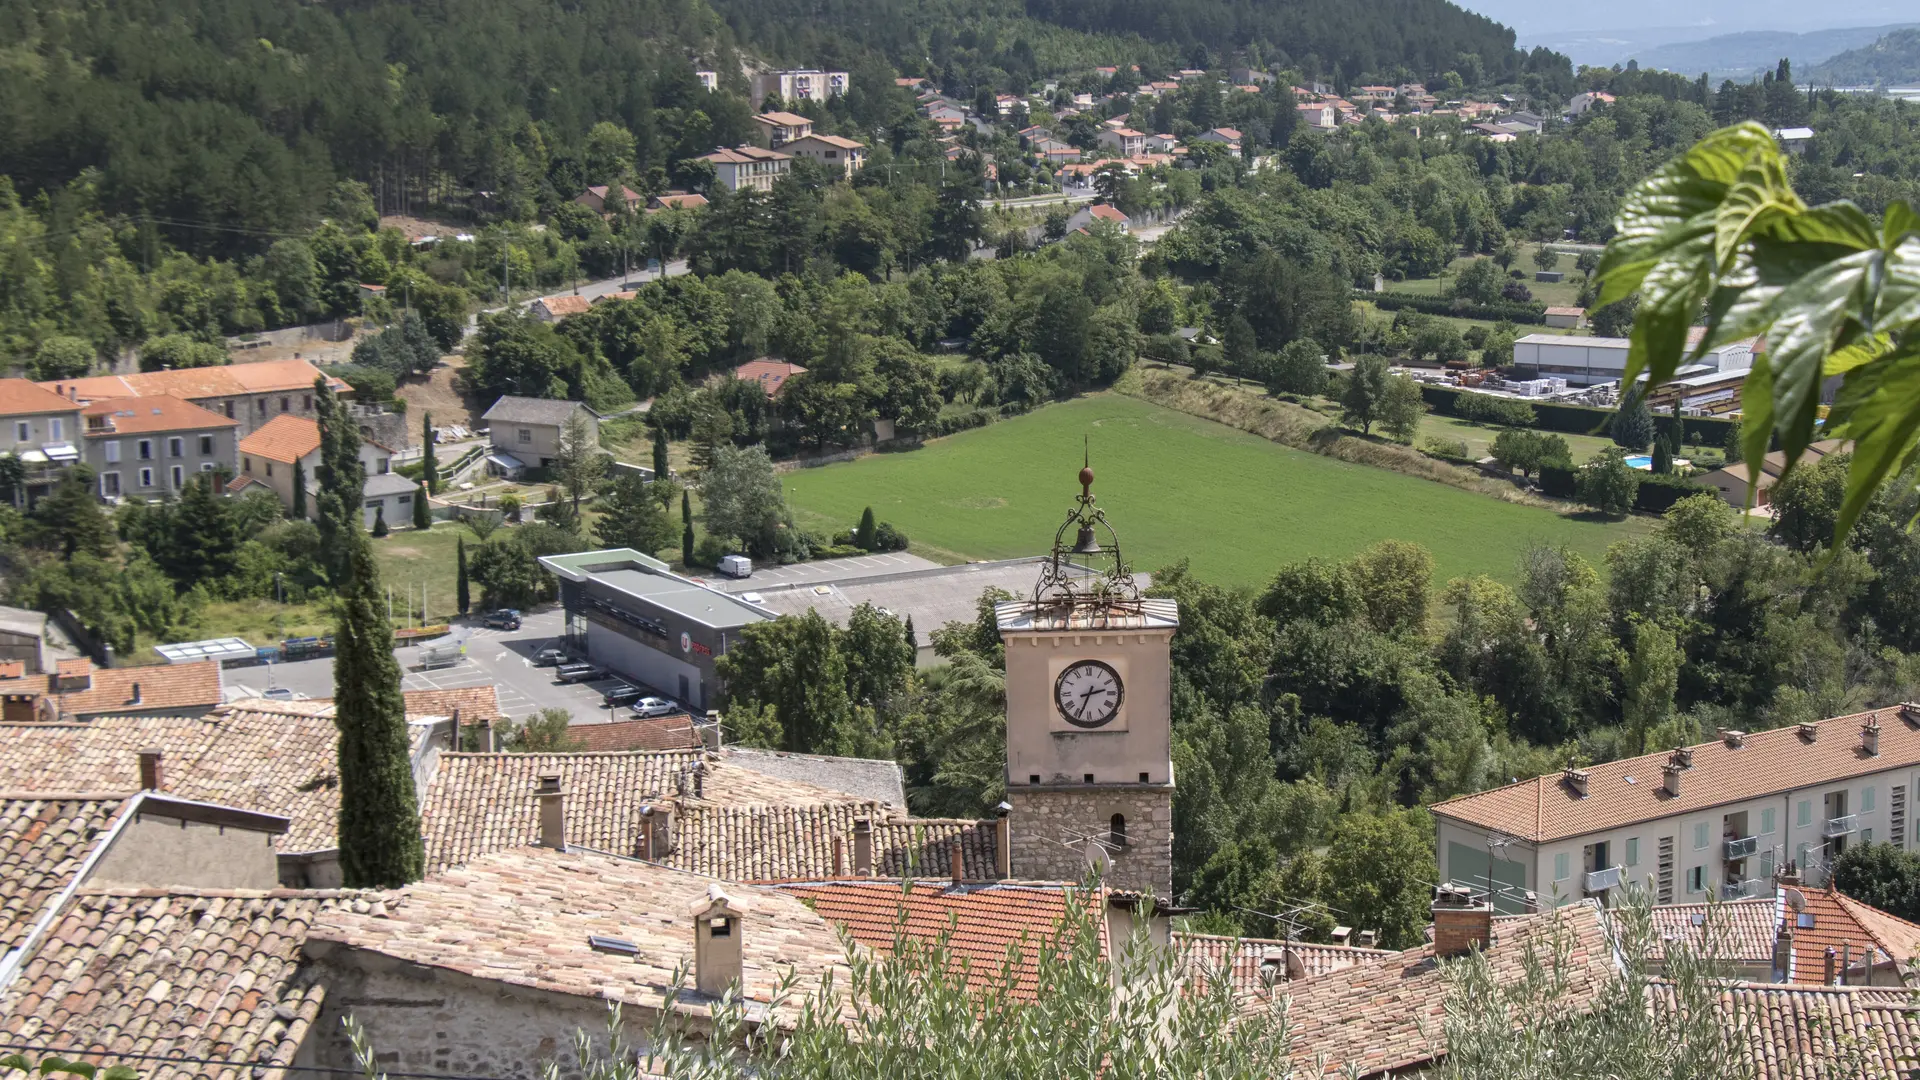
1089, 730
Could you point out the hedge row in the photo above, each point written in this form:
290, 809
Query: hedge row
1656, 495
1582, 419
1509, 310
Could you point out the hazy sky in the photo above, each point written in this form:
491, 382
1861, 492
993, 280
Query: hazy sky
1712, 17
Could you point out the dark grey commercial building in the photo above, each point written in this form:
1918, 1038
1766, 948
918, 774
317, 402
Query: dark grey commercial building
630, 614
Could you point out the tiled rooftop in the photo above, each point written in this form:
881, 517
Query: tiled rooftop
224, 380
1621, 793
132, 689
278, 761
524, 916
1248, 954
44, 839
192, 974
1817, 1033
787, 841
1738, 931
983, 922
160, 412
1390, 1014
1832, 919
479, 803
652, 733
285, 438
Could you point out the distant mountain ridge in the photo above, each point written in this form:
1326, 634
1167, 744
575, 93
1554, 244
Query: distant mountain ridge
1739, 56
1893, 60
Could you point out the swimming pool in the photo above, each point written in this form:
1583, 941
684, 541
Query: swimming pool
1640, 461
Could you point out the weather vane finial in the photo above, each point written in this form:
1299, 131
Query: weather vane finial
1072, 574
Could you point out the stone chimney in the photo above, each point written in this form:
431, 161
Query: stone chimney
151, 776
1367, 939
1682, 757
1003, 841
1576, 780
1910, 712
1826, 975
863, 847
1809, 732
1461, 921
1670, 779
1783, 952
1870, 736
957, 863
1733, 737
716, 942
839, 857
710, 736
553, 812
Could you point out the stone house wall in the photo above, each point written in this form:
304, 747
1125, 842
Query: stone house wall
1042, 822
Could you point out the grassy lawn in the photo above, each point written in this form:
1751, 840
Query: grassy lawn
1479, 437
1176, 486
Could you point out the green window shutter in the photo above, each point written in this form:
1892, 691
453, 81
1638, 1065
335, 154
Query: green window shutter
1866, 800
1700, 836
1803, 813
1633, 851
1560, 867
1766, 820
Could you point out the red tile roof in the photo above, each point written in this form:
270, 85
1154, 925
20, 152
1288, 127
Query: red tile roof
558, 306
770, 374
195, 384
653, 733
159, 688
679, 199
788, 841
742, 155
1624, 792
161, 412
1251, 955
20, 397
1859, 934
200, 974
285, 438
44, 839
1106, 213
1738, 931
984, 924
784, 119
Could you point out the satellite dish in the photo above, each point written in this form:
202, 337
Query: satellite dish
1796, 900
1098, 859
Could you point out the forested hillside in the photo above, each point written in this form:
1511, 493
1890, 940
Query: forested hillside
1893, 60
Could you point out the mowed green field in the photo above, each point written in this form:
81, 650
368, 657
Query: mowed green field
1174, 486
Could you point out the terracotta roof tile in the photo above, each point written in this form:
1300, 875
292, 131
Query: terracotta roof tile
784, 842
1249, 955
982, 923
771, 374
1389, 1014
674, 732
21, 397
113, 690
43, 841
194, 384
524, 916
277, 761
285, 438
565, 305
1814, 1033
199, 974
139, 415
1739, 931
1831, 919
1545, 808
784, 119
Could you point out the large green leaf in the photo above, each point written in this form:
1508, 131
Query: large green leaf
1879, 409
1898, 305
1755, 203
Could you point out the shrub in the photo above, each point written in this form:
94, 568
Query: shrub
1439, 446
1487, 409
1608, 484
1658, 492
1534, 312
888, 538
1516, 292
708, 551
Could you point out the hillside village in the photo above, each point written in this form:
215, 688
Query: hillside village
824, 542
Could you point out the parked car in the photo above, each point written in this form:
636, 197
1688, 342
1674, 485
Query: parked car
439, 656
504, 619
736, 566
550, 658
620, 693
653, 706
575, 673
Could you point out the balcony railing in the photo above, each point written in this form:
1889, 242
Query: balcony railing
1743, 890
1742, 848
1601, 880
1840, 826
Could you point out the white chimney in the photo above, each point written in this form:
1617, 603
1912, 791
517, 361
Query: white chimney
1670, 780
1577, 780
1003, 841
1870, 736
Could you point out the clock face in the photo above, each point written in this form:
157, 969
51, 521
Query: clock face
1088, 694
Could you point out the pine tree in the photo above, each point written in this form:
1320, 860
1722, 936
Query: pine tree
863, 536
430, 468
913, 640
1662, 456
462, 596
380, 843
422, 514
299, 491
660, 469
1633, 424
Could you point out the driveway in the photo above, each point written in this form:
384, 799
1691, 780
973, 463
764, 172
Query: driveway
500, 658
823, 572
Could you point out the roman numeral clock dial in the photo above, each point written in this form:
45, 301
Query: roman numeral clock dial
1088, 694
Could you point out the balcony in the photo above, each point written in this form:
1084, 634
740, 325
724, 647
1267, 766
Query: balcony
1743, 890
1742, 848
1840, 826
1601, 880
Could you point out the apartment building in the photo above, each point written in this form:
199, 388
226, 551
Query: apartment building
1714, 820
843, 155
289, 445
781, 128
748, 167
150, 447
806, 84
248, 394
41, 429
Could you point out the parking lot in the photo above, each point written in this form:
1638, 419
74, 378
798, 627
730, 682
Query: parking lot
821, 572
501, 658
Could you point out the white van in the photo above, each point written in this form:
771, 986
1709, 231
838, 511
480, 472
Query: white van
736, 566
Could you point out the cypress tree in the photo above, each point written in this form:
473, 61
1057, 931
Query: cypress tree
863, 536
686, 508
1662, 456
686, 544
380, 843
429, 467
343, 482
380, 521
461, 596
913, 640
660, 469
422, 514
299, 491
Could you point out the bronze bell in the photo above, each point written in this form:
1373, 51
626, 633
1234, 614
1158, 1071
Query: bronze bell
1086, 543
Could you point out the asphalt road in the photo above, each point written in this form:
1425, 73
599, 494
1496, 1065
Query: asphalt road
501, 658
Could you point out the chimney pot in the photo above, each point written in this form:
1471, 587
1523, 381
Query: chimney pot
553, 812
1670, 780
1733, 737
151, 777
646, 833
1809, 732
1461, 921
1577, 780
1827, 976
1846, 961
863, 847
716, 942
957, 862
136, 694
1783, 953
1367, 938
1682, 757
1870, 737
1003, 841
